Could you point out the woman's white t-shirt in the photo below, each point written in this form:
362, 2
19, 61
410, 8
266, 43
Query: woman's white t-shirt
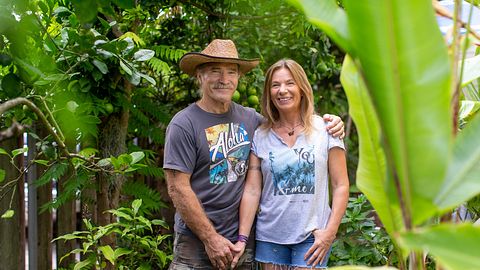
295, 197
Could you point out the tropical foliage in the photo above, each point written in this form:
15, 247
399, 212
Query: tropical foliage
141, 245
398, 81
94, 83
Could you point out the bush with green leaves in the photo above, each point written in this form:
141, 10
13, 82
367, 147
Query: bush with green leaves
359, 240
140, 245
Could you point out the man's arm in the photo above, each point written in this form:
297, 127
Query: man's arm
187, 204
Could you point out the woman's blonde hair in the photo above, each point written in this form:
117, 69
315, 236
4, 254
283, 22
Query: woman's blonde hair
270, 112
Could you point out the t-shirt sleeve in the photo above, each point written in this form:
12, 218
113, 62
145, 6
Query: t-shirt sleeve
180, 150
253, 146
335, 142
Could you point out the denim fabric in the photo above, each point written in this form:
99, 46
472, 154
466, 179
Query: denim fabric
289, 255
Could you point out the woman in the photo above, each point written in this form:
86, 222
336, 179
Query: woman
292, 159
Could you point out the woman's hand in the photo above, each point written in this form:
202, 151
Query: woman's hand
319, 250
240, 247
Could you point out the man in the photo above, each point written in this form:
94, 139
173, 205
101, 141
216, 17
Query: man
206, 151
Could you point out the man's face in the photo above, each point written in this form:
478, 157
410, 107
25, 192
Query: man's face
218, 82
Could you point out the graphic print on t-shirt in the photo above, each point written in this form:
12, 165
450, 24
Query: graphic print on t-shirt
229, 147
293, 171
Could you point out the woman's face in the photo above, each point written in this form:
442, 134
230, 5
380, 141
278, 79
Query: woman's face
285, 93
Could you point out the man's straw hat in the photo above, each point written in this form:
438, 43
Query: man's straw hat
218, 51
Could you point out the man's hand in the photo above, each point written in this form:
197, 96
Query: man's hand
220, 251
335, 125
240, 249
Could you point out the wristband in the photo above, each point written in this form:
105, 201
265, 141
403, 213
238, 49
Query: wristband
242, 238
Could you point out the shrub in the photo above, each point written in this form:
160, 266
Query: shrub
138, 244
360, 241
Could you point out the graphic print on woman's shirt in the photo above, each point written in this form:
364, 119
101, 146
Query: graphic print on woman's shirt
293, 171
229, 147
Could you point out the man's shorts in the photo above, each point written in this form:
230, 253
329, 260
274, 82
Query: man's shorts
189, 254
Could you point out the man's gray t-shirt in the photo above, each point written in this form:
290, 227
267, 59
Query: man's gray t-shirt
214, 149
295, 198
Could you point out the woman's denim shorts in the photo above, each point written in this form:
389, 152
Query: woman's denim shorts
290, 255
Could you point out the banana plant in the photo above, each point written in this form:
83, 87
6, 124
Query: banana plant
398, 80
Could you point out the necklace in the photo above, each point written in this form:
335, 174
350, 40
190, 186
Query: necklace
292, 130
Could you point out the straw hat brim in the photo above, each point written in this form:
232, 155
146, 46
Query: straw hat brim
190, 61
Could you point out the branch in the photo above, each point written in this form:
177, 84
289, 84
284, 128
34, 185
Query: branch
13, 131
23, 101
444, 12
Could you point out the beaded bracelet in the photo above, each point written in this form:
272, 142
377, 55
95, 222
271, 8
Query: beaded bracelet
242, 238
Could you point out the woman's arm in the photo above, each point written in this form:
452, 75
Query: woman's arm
249, 204
337, 167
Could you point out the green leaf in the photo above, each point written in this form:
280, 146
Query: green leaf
121, 251
160, 238
2, 175
462, 179
468, 108
371, 171
136, 156
55, 77
471, 70
72, 106
136, 205
82, 264
108, 253
134, 78
19, 151
104, 162
8, 214
126, 67
86, 10
55, 172
71, 236
148, 78
326, 15
145, 222
59, 10
405, 65
32, 73
41, 161
120, 214
3, 152
101, 66
87, 152
159, 222
143, 55
455, 246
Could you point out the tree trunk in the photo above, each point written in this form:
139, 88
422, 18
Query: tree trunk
12, 230
111, 142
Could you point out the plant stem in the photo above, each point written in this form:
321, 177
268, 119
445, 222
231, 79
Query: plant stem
455, 85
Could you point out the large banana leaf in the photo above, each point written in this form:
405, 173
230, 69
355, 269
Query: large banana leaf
371, 172
456, 247
405, 65
463, 176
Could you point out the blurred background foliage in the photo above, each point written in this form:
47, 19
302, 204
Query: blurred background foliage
105, 75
